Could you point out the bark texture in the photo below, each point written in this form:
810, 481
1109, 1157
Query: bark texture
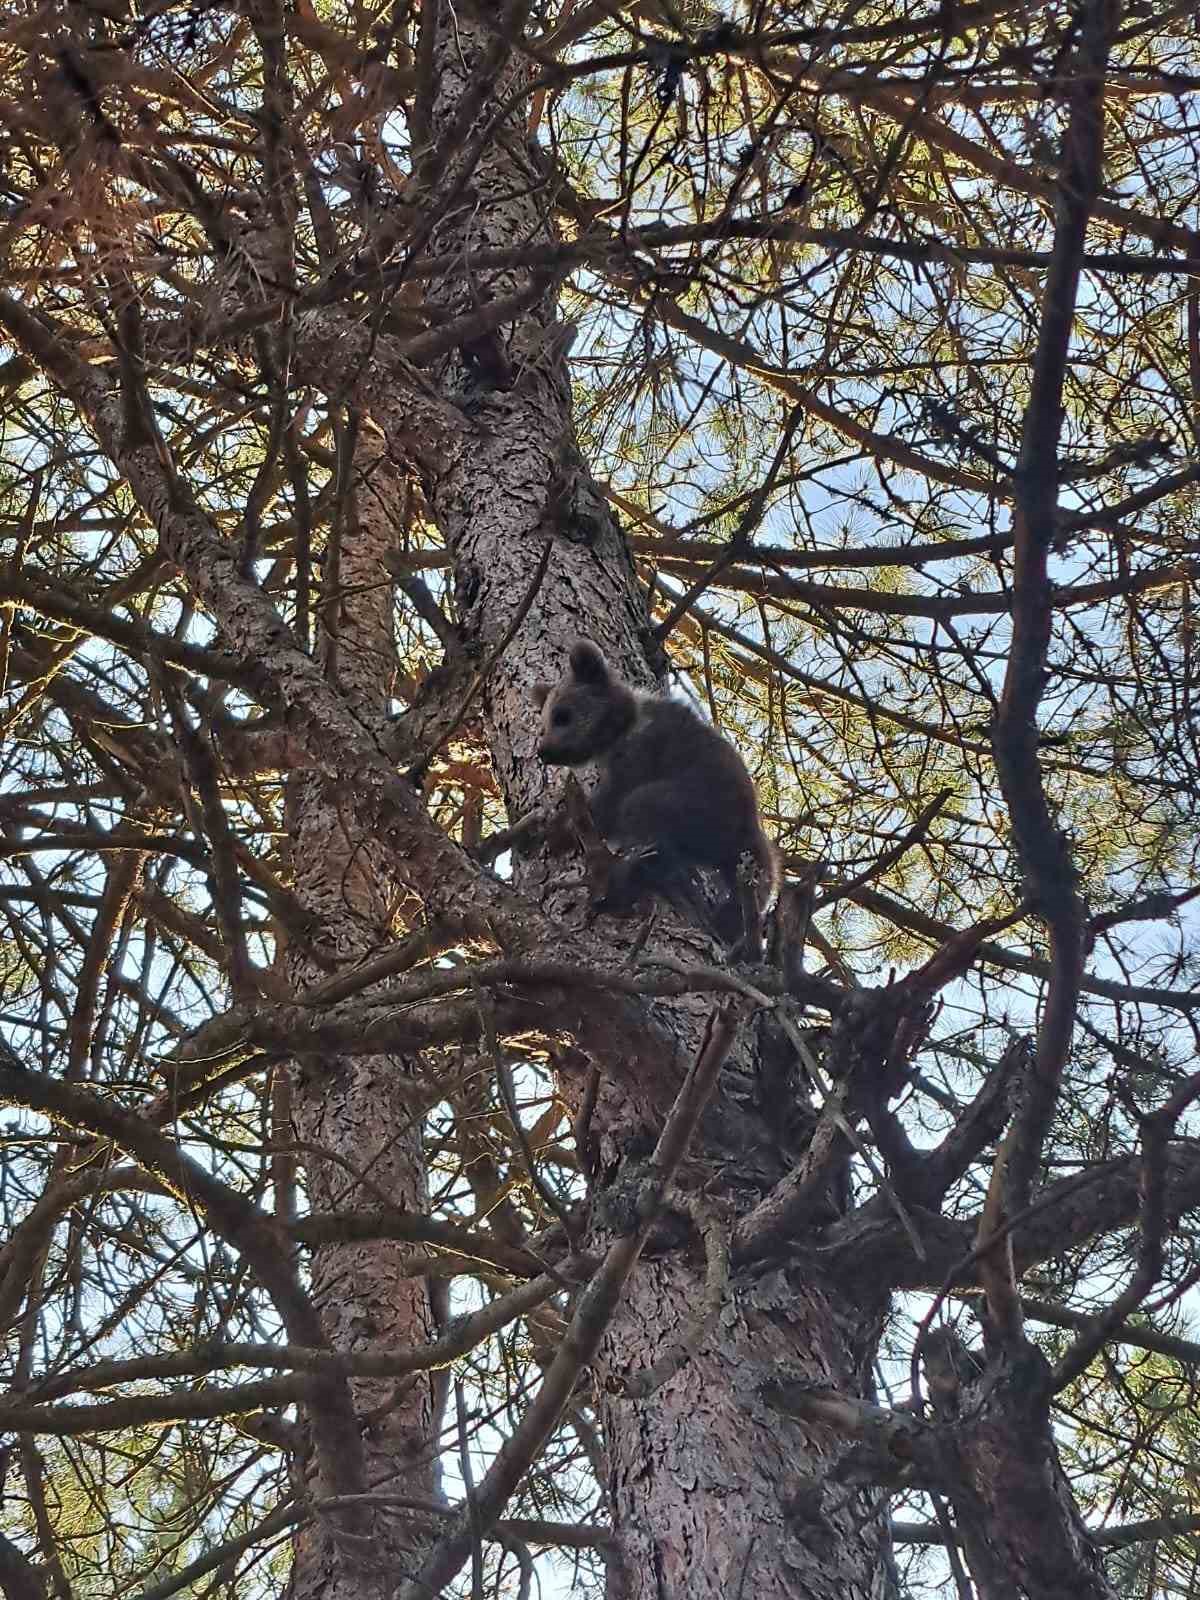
1016, 1515
714, 1492
699, 1470
357, 1133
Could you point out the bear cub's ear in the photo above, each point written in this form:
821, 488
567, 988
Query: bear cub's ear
588, 663
540, 692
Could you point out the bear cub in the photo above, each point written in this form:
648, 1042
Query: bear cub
671, 788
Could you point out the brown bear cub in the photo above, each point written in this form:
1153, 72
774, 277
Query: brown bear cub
671, 788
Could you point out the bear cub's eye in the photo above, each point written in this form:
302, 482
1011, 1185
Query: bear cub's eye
560, 718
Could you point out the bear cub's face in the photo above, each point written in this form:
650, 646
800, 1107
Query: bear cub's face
584, 714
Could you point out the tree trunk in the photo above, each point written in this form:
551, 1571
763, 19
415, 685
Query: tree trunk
703, 1474
358, 1135
714, 1493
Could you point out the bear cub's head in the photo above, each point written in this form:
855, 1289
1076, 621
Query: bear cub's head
586, 712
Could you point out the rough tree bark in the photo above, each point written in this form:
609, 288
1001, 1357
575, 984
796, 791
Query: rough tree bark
357, 1133
702, 1473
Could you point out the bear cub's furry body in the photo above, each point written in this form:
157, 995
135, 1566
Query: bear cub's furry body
668, 781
